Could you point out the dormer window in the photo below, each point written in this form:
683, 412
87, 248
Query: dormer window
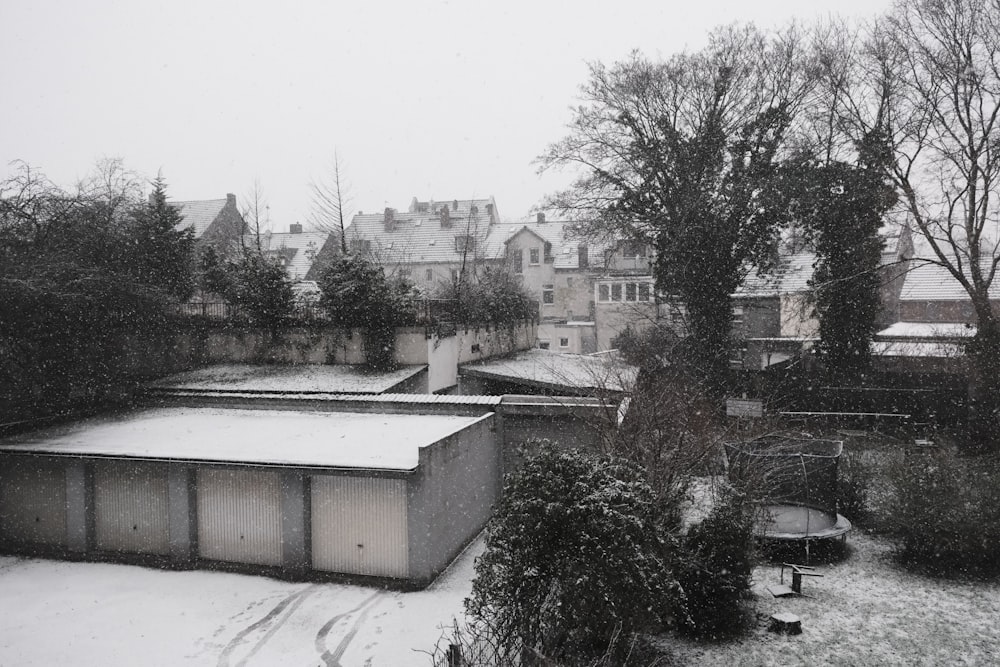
465, 243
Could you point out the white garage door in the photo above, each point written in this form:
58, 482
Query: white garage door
131, 508
33, 502
359, 525
239, 516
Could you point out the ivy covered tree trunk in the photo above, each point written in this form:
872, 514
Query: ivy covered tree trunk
843, 207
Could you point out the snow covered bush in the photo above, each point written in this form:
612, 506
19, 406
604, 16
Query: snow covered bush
944, 512
854, 480
261, 289
714, 567
356, 293
575, 561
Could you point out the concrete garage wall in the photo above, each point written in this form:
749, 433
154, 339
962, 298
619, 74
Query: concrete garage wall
451, 496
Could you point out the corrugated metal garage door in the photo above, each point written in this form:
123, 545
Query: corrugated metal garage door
131, 508
33, 502
359, 525
239, 516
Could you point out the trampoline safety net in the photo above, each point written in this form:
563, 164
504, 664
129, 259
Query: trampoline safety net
787, 471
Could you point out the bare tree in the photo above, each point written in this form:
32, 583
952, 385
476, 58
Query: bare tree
257, 214
330, 201
928, 76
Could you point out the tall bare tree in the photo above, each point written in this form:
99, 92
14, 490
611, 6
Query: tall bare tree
331, 201
928, 75
257, 214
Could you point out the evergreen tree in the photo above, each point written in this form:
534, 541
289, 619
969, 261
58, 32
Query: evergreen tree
160, 256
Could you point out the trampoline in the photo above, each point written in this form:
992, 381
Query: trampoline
795, 480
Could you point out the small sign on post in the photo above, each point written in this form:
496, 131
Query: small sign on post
744, 407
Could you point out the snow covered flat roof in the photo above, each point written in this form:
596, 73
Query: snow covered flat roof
306, 377
322, 439
559, 370
928, 330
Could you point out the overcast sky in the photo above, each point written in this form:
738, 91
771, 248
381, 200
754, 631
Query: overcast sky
431, 99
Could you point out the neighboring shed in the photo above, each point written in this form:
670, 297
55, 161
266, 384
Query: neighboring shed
289, 493
543, 372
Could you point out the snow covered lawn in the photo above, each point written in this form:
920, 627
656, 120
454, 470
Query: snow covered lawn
866, 610
61, 613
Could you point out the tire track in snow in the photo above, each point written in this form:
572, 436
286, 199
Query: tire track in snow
332, 659
290, 603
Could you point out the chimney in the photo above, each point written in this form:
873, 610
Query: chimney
390, 219
489, 212
540, 218
231, 200
445, 217
454, 205
295, 228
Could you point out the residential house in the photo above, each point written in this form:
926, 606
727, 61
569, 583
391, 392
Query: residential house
215, 222
773, 313
431, 242
624, 291
303, 254
936, 319
556, 267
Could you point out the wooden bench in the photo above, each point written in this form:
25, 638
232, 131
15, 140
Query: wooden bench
798, 571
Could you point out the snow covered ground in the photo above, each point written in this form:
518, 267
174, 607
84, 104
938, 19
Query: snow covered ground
60, 613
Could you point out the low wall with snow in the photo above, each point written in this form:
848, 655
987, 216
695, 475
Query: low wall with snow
414, 345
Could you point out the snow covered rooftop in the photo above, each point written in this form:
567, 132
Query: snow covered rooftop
554, 370
322, 439
932, 282
928, 330
338, 379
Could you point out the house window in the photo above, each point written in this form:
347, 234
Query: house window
604, 292
405, 271
454, 275
517, 259
548, 294
569, 282
465, 243
428, 275
631, 291
543, 345
644, 291
634, 250
564, 342
548, 251
534, 256
616, 292
737, 316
